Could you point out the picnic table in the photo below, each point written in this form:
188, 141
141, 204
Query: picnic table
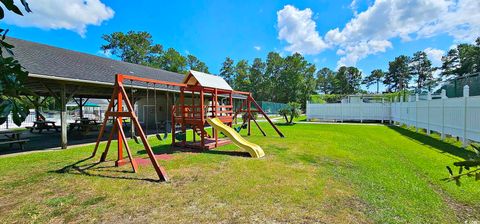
40, 125
13, 137
85, 125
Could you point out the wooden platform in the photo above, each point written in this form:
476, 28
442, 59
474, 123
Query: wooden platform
209, 144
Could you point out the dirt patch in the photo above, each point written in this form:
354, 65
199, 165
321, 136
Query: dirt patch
463, 212
342, 205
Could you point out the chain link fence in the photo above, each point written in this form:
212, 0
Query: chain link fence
271, 107
455, 86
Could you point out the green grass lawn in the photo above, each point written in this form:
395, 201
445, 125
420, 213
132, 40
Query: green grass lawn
318, 173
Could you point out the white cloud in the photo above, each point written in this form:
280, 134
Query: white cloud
371, 31
298, 29
73, 15
353, 53
435, 55
258, 48
354, 7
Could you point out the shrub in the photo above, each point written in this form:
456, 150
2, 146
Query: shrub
291, 111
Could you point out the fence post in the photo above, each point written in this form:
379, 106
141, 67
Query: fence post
429, 98
391, 111
306, 110
466, 94
383, 108
444, 96
416, 111
361, 111
341, 111
401, 111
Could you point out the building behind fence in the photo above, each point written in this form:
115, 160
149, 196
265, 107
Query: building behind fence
271, 107
455, 86
458, 116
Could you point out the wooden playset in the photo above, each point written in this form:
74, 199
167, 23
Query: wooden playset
205, 105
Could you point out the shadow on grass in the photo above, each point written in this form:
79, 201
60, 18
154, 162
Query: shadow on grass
168, 149
434, 143
285, 124
77, 169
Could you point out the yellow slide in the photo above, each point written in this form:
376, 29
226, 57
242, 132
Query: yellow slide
254, 150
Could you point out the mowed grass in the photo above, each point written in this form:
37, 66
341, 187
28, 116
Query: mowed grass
318, 173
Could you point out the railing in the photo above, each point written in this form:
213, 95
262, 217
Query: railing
195, 112
9, 124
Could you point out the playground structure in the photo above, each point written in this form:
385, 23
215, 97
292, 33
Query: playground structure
204, 99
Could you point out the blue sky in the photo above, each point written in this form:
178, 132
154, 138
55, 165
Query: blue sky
370, 33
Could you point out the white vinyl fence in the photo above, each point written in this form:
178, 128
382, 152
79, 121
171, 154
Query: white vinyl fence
458, 117
349, 111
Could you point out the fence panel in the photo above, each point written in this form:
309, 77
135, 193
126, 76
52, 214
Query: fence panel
458, 117
349, 111
473, 119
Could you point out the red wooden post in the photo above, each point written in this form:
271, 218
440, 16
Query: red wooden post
160, 170
182, 103
231, 104
266, 117
104, 124
202, 112
215, 94
249, 105
119, 81
173, 123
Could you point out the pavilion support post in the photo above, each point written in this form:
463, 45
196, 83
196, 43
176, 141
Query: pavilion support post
63, 117
81, 107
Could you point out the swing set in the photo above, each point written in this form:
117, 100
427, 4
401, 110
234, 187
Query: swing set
157, 133
199, 101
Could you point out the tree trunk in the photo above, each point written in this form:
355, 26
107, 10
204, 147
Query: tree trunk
286, 118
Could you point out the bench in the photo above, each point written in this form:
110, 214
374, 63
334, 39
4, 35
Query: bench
20, 142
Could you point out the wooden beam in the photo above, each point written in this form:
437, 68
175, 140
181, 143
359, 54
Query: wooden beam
85, 102
266, 117
118, 114
105, 120
76, 102
135, 78
73, 93
110, 137
54, 95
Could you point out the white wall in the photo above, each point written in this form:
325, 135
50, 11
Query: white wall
458, 117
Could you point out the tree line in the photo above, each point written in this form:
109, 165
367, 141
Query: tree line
277, 79
292, 78
461, 60
139, 48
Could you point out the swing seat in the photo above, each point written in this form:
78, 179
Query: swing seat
239, 128
136, 139
159, 137
180, 136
